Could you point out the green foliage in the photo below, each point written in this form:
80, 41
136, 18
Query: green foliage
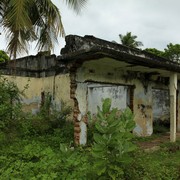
158, 165
56, 117
130, 40
25, 21
49, 117
52, 156
74, 163
10, 105
3, 56
112, 141
28, 160
46, 121
15, 123
35, 159
172, 52
155, 51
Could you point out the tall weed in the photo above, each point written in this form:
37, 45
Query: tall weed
112, 141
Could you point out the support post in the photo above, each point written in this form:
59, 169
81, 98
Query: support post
173, 89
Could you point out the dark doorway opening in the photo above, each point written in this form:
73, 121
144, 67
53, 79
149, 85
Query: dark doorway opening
161, 111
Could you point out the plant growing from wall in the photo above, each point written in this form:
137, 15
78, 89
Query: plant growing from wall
112, 141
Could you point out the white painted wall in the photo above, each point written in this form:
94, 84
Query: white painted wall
98, 92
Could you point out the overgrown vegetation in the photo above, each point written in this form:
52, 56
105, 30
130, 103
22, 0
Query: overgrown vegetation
3, 56
112, 141
171, 52
14, 123
41, 146
10, 108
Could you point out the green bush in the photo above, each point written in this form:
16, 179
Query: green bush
49, 118
10, 107
112, 156
3, 56
112, 141
16, 123
29, 160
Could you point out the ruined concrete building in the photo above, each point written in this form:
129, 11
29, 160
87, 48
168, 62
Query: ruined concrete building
90, 69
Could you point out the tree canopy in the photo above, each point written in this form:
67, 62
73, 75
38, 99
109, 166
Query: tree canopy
3, 56
171, 52
25, 21
155, 51
130, 40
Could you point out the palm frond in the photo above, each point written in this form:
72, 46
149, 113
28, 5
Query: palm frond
17, 23
17, 43
130, 40
48, 24
77, 5
28, 20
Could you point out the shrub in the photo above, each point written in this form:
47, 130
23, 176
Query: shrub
3, 56
10, 105
29, 160
16, 123
50, 118
112, 141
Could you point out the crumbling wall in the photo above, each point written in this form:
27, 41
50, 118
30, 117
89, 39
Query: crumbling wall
110, 72
41, 74
143, 110
57, 86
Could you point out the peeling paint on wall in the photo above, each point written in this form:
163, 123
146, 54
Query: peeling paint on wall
87, 62
94, 83
98, 92
138, 130
32, 99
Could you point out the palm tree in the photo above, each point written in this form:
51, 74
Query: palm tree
25, 21
130, 40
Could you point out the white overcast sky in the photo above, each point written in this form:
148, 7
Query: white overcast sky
155, 22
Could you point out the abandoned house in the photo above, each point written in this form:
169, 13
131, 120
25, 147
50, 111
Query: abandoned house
90, 69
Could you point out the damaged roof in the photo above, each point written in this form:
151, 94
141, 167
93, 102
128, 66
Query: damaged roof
86, 48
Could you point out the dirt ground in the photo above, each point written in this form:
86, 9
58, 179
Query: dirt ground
155, 143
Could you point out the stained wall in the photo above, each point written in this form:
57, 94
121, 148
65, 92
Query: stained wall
57, 86
108, 72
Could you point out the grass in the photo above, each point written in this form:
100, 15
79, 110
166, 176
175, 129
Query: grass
39, 157
161, 164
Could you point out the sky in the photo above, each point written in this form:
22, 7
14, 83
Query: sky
155, 22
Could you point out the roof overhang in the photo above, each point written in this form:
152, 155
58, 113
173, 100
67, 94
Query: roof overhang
80, 49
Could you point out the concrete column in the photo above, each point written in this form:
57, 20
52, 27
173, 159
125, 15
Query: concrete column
173, 89
178, 116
